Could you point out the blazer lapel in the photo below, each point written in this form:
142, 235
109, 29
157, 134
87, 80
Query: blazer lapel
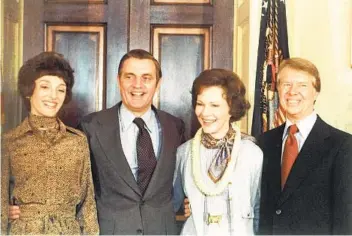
308, 158
109, 138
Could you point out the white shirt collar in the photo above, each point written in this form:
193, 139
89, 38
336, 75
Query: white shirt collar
126, 118
304, 126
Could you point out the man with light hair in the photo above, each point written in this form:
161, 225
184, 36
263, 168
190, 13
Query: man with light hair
307, 170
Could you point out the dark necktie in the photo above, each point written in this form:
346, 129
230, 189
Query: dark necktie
145, 155
290, 154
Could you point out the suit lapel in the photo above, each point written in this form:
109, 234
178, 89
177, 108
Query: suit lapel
308, 158
109, 138
273, 162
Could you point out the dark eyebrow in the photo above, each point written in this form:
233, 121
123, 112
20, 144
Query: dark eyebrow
132, 74
47, 81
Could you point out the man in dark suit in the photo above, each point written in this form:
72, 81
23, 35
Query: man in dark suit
123, 207
314, 196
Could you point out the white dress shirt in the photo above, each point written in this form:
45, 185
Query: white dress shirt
129, 132
304, 127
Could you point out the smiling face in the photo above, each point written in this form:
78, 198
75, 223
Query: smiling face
138, 84
297, 93
213, 111
48, 96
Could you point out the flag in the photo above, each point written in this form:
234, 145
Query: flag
272, 49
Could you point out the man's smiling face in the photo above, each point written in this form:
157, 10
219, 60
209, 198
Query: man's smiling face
297, 93
138, 83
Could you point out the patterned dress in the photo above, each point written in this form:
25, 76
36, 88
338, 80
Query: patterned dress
46, 171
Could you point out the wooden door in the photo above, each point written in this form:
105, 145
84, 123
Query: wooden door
186, 36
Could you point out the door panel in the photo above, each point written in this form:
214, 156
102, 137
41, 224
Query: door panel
84, 47
131, 24
113, 14
183, 53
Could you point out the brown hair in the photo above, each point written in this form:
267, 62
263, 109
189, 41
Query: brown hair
233, 87
141, 54
45, 63
304, 65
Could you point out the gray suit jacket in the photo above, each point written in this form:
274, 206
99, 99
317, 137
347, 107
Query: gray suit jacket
317, 197
121, 207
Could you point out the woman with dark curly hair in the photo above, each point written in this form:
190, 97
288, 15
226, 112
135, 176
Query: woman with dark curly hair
46, 169
219, 169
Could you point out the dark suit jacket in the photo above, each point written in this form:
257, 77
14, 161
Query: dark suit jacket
121, 207
317, 197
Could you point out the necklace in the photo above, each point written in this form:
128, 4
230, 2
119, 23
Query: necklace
225, 179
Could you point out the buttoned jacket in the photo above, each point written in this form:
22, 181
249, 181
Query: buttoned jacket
317, 197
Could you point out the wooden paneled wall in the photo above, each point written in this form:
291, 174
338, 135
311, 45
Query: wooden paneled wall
185, 36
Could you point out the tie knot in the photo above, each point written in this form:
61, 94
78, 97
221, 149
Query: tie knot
139, 122
293, 129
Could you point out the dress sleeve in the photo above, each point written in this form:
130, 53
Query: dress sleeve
5, 186
87, 212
